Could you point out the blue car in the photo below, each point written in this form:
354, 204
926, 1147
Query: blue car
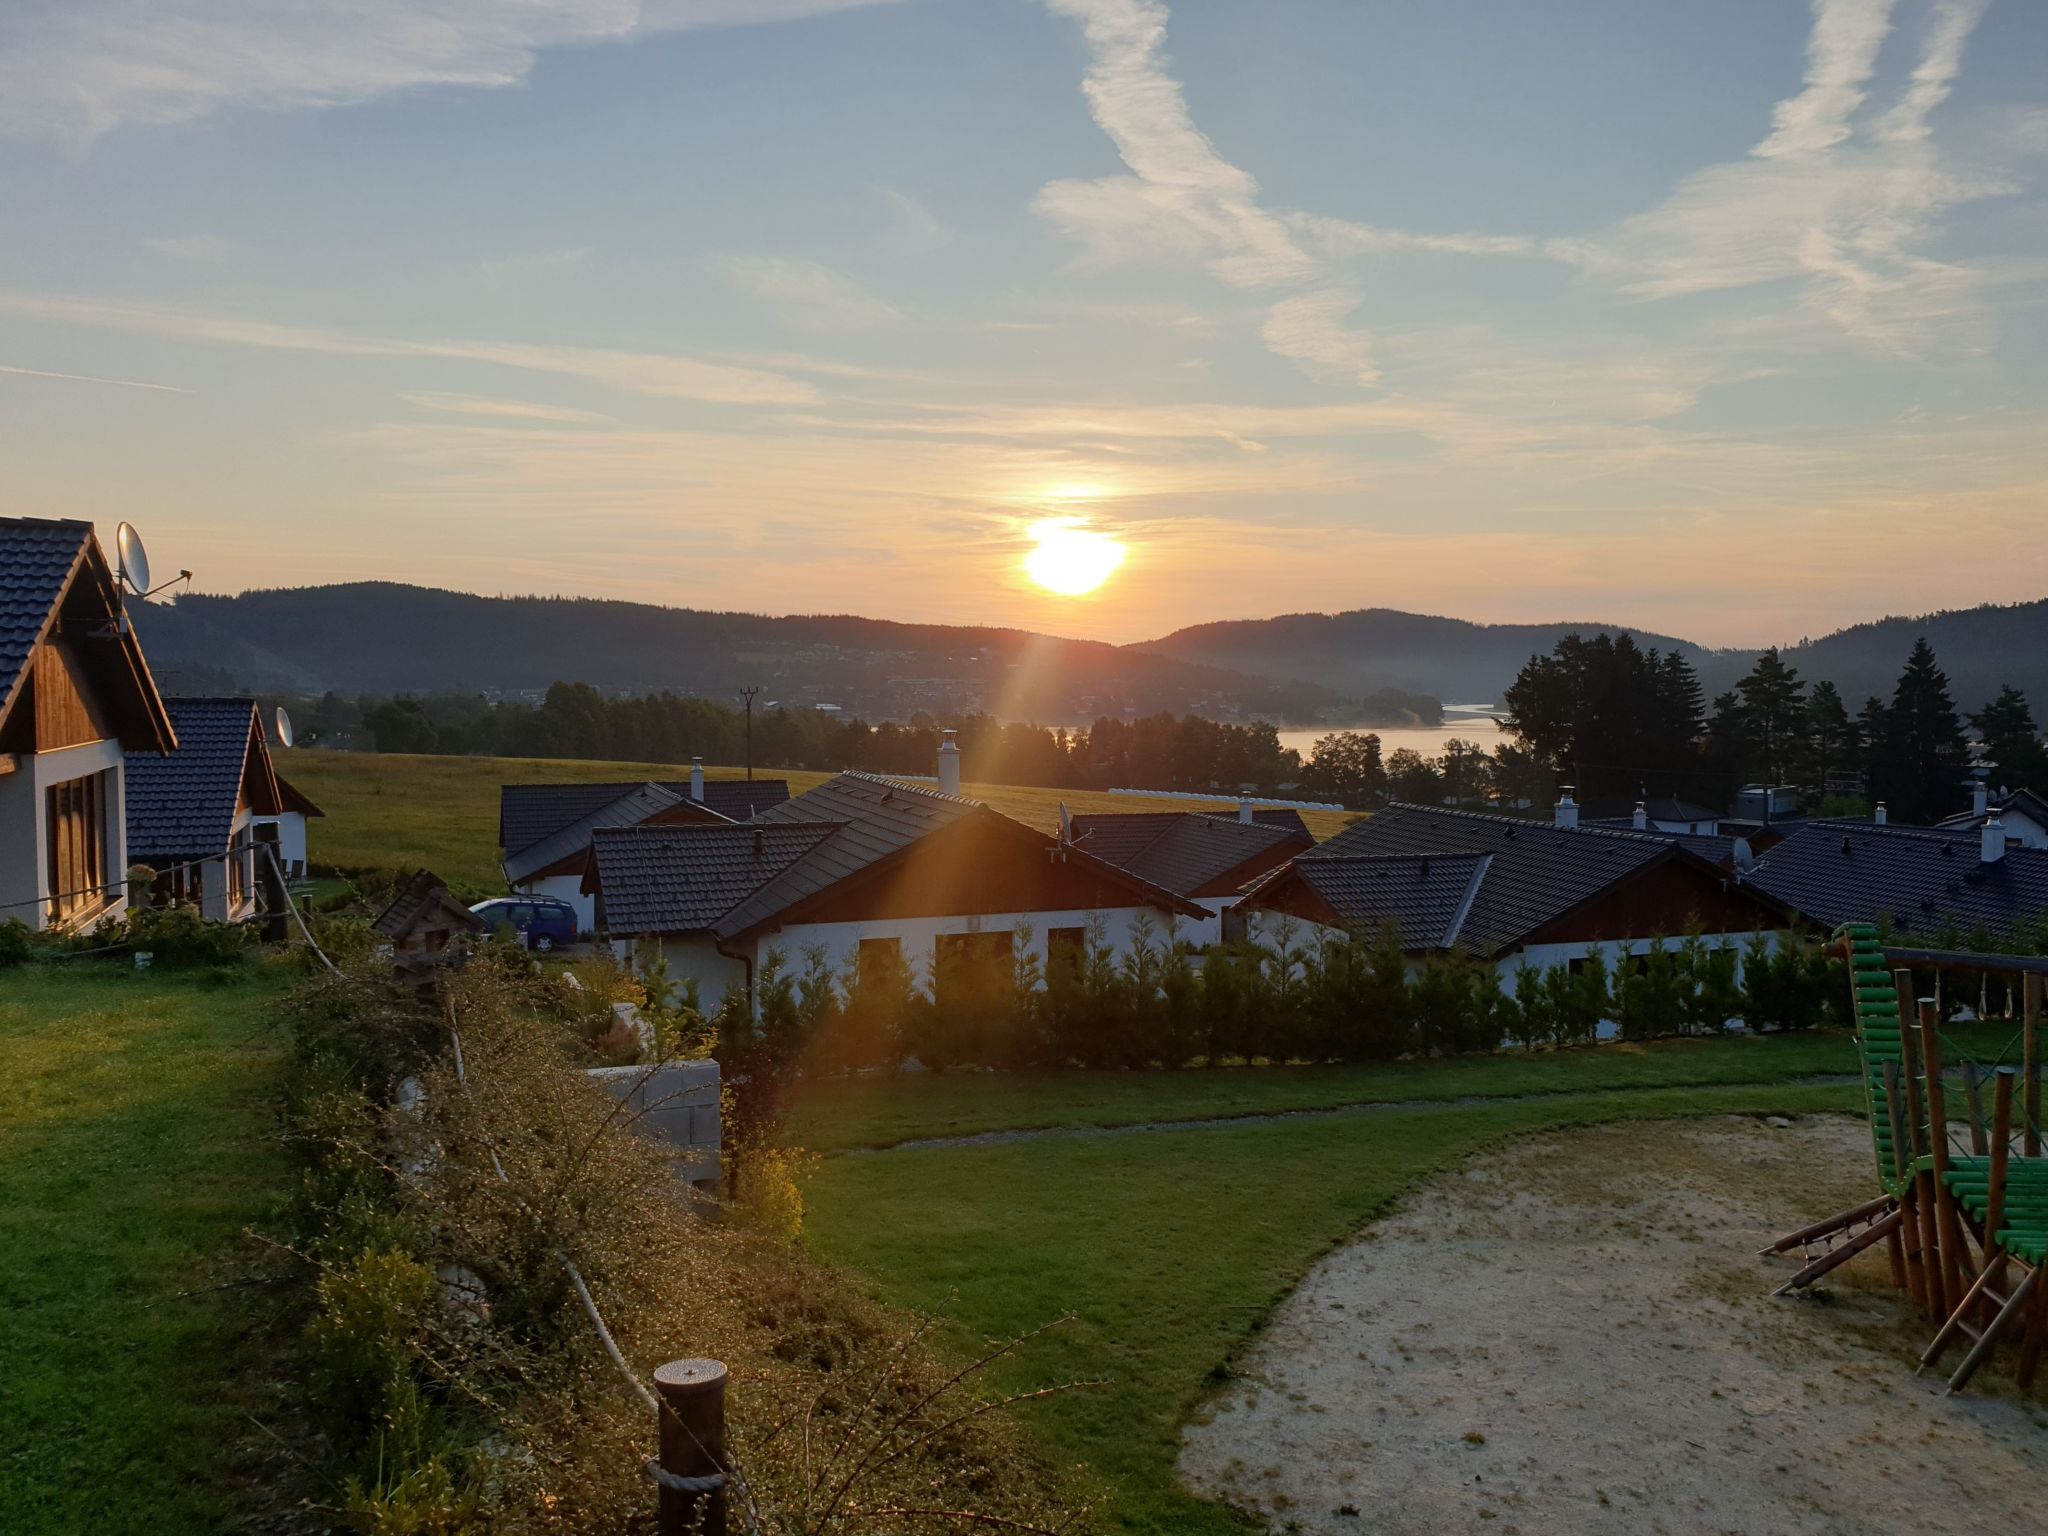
541, 923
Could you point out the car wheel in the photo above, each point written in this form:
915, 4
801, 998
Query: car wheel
543, 943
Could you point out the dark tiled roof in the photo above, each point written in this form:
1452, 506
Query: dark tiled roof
1656, 808
182, 806
1427, 897
529, 812
421, 893
1537, 871
1921, 879
1285, 817
1181, 851
37, 557
2025, 801
684, 879
627, 810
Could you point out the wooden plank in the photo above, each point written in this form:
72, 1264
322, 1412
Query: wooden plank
2030, 1065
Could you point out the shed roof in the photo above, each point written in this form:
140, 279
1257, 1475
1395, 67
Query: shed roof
1536, 872
181, 805
53, 569
419, 896
1921, 878
529, 812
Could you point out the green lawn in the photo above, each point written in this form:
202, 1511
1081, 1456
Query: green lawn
135, 1120
880, 1111
395, 811
1169, 1248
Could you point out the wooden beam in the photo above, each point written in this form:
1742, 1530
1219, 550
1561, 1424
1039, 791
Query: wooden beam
1983, 1347
1842, 1253
1867, 1211
1937, 1136
1975, 1100
2030, 1064
1916, 1133
1916, 1277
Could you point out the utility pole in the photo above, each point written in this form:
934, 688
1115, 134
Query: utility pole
748, 695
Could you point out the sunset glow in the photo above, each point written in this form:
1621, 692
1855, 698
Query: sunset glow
1071, 560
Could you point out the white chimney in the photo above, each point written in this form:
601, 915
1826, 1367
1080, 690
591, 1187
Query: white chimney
1567, 810
1993, 848
949, 764
1641, 820
1244, 809
1880, 816
1980, 797
697, 779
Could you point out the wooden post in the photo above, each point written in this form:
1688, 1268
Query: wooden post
270, 880
1916, 1133
2001, 1158
1937, 1135
1974, 1098
692, 1448
2030, 1065
1909, 1229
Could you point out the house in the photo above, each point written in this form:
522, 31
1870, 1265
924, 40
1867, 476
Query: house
1662, 813
192, 814
1923, 881
1207, 858
861, 866
76, 699
291, 827
2022, 813
424, 921
545, 829
1509, 891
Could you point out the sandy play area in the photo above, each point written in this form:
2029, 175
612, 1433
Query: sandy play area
1575, 1334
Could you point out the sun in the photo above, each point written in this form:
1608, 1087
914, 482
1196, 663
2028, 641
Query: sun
1071, 560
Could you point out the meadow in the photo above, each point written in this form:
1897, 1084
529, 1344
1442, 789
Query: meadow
394, 811
137, 1117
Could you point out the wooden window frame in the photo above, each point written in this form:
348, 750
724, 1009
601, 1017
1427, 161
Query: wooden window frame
75, 824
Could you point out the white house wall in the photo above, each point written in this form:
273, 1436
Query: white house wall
25, 831
291, 840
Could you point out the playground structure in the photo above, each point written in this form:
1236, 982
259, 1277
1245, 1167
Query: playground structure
1963, 1208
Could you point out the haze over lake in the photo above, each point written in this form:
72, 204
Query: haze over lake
1471, 722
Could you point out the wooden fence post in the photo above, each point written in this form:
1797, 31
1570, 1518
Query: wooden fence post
692, 1478
1951, 1225
270, 880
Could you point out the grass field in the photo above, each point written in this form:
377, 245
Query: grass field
1169, 1249
135, 1119
394, 811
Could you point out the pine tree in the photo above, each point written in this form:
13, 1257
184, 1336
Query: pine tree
1773, 717
1831, 745
1918, 761
2012, 742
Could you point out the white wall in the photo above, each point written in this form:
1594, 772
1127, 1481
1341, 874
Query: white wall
213, 895
291, 839
24, 828
2023, 829
567, 888
692, 956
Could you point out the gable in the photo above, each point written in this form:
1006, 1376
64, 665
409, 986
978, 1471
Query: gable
1661, 899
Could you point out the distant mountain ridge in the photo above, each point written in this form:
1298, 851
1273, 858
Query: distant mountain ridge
1981, 649
387, 637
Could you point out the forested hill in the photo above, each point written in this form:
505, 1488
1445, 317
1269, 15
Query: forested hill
1981, 649
1372, 648
385, 638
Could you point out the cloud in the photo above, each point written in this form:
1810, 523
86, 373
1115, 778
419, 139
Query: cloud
1844, 210
510, 410
201, 250
72, 70
1309, 329
808, 295
914, 230
646, 373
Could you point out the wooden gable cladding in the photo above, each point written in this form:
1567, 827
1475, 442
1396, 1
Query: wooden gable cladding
1662, 898
66, 705
1291, 896
1233, 880
979, 866
258, 792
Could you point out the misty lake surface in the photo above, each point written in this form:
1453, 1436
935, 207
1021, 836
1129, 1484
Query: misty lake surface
1469, 722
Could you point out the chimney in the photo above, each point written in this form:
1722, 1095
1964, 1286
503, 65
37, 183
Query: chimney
697, 779
1567, 810
1993, 846
1880, 814
1641, 820
1244, 809
949, 764
1980, 797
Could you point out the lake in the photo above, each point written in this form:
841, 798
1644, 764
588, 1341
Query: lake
1472, 722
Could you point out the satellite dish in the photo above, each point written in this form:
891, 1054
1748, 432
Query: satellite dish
284, 726
134, 559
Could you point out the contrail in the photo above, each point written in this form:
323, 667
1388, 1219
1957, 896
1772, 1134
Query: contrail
92, 378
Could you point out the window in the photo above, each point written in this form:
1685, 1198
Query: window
238, 870
77, 829
1066, 949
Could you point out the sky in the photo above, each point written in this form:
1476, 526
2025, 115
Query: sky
1721, 320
